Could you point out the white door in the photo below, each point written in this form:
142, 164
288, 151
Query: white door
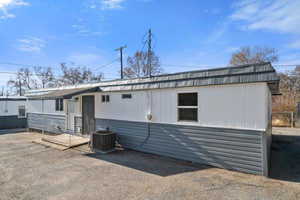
71, 115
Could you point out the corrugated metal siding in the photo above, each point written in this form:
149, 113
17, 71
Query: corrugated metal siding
46, 122
260, 72
234, 149
248, 78
10, 122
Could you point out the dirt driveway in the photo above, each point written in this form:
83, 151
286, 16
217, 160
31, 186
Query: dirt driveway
32, 171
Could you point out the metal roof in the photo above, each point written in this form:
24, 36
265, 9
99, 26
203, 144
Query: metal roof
66, 93
12, 98
251, 73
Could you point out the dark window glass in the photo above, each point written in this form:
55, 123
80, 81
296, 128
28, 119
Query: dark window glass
103, 98
61, 106
188, 99
126, 96
57, 104
22, 111
188, 114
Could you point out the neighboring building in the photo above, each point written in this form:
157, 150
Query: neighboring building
12, 112
220, 117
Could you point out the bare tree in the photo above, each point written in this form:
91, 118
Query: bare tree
250, 55
290, 89
73, 75
138, 65
24, 80
46, 76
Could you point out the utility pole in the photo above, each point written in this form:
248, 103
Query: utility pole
121, 58
149, 52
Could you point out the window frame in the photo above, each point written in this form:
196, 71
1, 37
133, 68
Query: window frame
24, 107
105, 98
59, 104
126, 96
187, 107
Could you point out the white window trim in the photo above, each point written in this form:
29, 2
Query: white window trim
19, 116
126, 98
60, 109
105, 98
195, 107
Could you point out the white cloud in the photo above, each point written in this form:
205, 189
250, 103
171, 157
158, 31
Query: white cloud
217, 34
274, 15
84, 58
31, 44
111, 4
83, 30
231, 49
6, 5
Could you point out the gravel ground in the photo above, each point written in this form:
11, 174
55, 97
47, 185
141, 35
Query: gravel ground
32, 171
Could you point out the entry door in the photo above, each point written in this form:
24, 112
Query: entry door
88, 114
71, 114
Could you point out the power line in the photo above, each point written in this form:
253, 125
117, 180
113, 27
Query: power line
144, 41
108, 64
149, 52
27, 65
17, 64
120, 49
287, 65
144, 44
9, 73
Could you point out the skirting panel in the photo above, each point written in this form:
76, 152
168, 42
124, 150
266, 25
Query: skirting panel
240, 150
46, 122
13, 121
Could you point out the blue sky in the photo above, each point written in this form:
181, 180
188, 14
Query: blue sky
189, 34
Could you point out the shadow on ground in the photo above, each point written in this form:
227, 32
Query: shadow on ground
149, 163
285, 158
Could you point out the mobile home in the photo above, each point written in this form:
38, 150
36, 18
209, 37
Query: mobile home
220, 117
12, 112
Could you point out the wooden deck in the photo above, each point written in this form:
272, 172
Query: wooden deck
62, 141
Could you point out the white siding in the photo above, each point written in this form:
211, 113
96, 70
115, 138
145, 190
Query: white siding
228, 106
42, 106
134, 109
235, 106
11, 107
34, 106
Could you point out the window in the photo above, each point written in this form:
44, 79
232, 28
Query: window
105, 98
59, 104
126, 96
22, 112
187, 106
